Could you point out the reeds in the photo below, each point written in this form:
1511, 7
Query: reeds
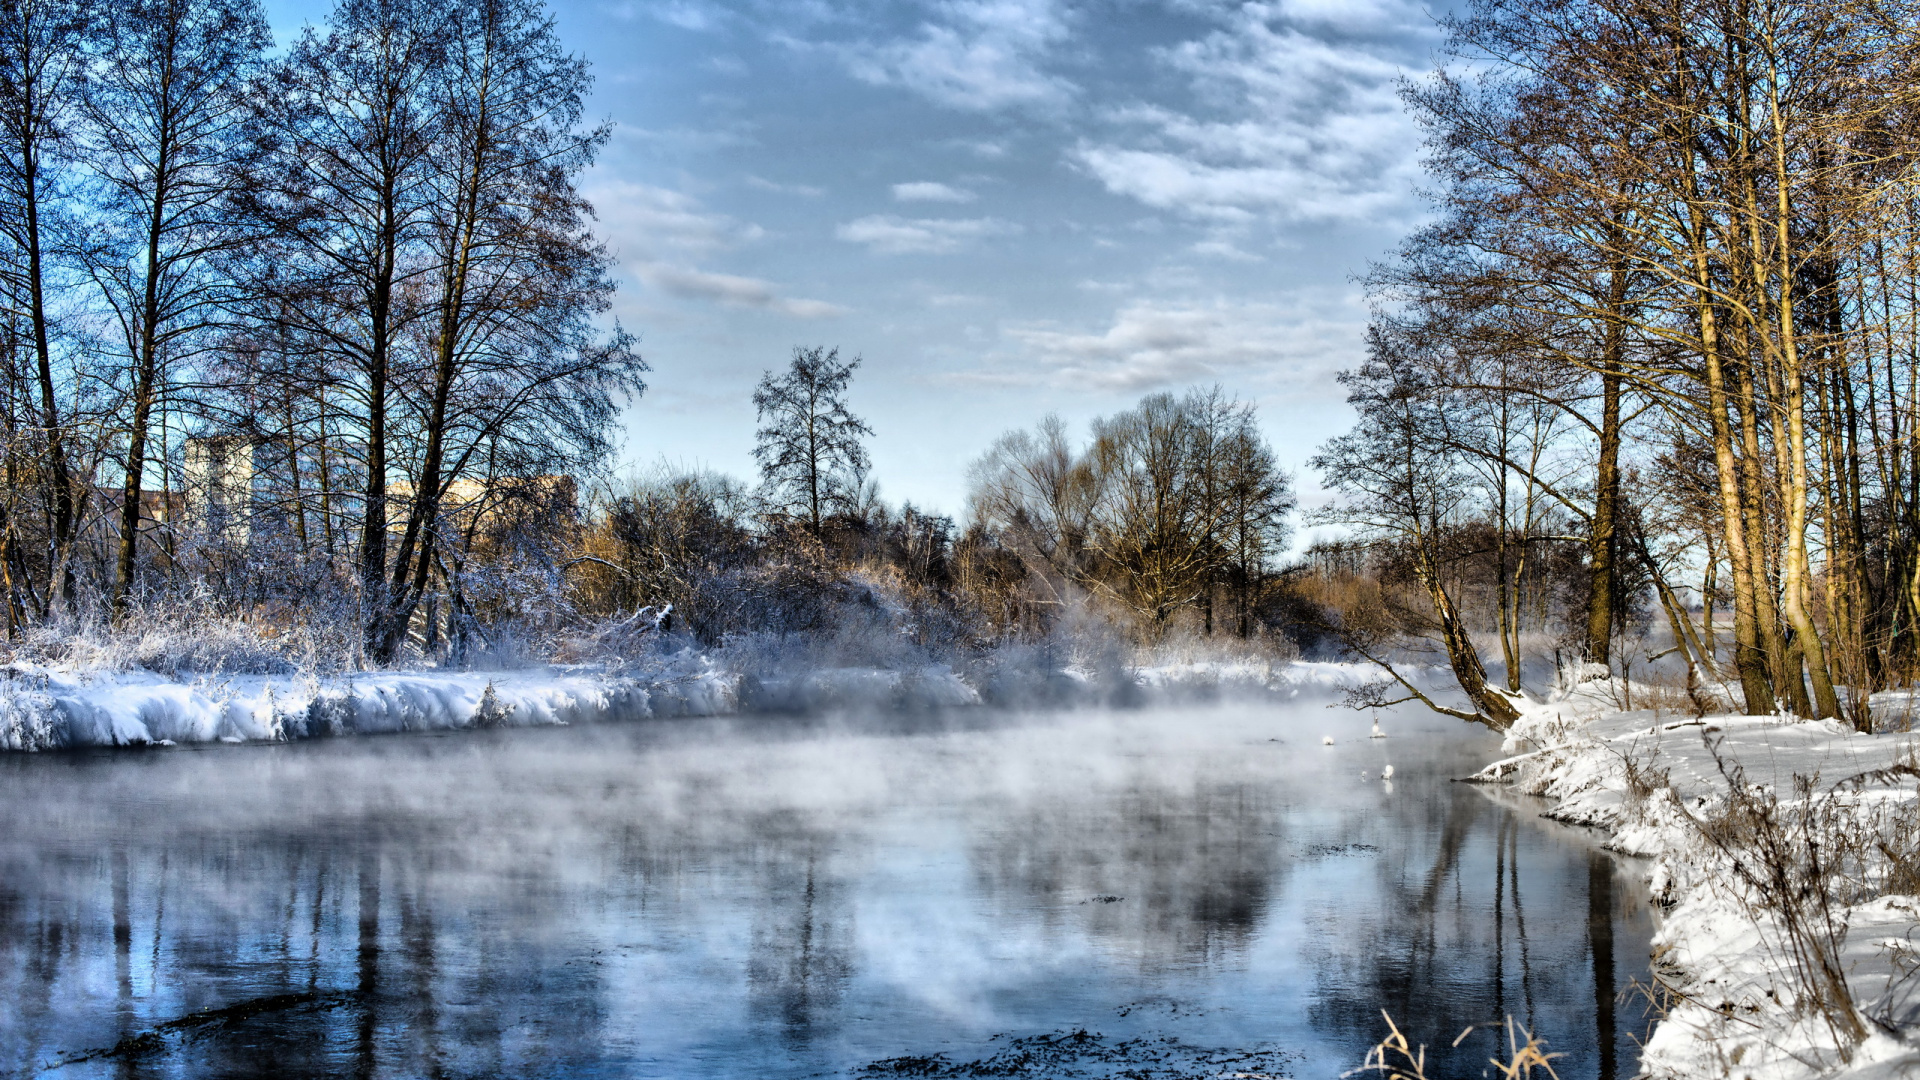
1396, 1058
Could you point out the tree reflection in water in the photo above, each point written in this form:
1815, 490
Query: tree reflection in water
706, 899
800, 956
1451, 946
1194, 869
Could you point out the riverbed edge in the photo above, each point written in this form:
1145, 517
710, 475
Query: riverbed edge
50, 708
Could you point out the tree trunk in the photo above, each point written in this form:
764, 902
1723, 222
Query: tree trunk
1749, 658
1601, 545
60, 483
1497, 709
1794, 577
146, 381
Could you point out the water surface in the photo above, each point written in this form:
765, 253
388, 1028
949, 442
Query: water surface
1168, 892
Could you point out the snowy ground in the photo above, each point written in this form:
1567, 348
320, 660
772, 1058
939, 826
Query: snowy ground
1656, 782
43, 707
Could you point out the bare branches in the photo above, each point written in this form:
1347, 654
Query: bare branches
812, 460
1175, 506
1689, 224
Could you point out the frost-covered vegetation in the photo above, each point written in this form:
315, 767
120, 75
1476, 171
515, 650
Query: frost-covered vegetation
1151, 571
306, 382
1650, 365
1786, 855
1660, 331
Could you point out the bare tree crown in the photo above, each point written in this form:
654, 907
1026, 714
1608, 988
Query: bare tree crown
809, 445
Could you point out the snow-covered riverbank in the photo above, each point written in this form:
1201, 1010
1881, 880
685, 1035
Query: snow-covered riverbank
47, 707
1745, 1001
43, 708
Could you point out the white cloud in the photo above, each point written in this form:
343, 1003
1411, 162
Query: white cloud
928, 191
1351, 16
1153, 344
983, 148
658, 232
978, 55
1299, 119
732, 290
643, 221
686, 14
806, 190
950, 300
892, 235
1224, 249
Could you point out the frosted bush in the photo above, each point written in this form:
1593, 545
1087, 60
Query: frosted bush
166, 641
29, 720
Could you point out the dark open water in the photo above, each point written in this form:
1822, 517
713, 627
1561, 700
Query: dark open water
1174, 892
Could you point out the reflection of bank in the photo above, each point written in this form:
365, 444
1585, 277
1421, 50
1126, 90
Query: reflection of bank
1195, 869
802, 933
1481, 913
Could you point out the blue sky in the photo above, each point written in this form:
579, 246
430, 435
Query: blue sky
1005, 207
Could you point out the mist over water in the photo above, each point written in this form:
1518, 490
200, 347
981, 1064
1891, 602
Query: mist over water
1170, 891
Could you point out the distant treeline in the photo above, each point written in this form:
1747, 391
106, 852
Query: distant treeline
1172, 516
1658, 345
309, 341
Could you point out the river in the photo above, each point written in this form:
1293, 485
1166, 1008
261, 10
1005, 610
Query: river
1190, 891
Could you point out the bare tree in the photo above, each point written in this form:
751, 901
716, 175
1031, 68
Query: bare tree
42, 68
1152, 522
812, 460
1036, 494
1174, 503
514, 376
1400, 486
347, 192
1258, 502
1695, 204
165, 119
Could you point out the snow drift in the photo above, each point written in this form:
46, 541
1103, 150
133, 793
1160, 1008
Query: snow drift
44, 707
1736, 1006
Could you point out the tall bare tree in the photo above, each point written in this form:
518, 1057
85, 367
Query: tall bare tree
166, 121
347, 192
1036, 494
42, 70
812, 459
514, 375
1402, 487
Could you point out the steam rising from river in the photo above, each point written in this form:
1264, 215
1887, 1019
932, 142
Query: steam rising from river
698, 894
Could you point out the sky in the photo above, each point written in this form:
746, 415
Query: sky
1005, 208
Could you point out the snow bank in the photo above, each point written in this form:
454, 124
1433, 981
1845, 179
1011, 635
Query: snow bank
1339, 675
1214, 676
1650, 780
44, 708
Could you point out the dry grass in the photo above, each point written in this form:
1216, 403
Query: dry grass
1396, 1058
1646, 781
1666, 693
1800, 860
1895, 716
